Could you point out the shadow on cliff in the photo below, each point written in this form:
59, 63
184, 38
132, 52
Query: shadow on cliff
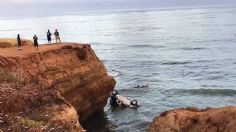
98, 122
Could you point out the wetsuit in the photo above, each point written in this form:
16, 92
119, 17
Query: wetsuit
113, 100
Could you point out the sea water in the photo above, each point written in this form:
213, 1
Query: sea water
186, 56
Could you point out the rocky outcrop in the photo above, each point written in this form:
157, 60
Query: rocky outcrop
194, 120
64, 81
8, 42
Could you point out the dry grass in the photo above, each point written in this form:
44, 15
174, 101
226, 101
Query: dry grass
24, 109
7, 76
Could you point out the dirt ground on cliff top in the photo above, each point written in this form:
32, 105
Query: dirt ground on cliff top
12, 51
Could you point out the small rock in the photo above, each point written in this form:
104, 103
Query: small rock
52, 129
18, 117
43, 127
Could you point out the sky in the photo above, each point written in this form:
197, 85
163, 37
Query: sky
31, 6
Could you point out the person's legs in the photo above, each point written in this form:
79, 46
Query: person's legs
19, 45
56, 39
19, 48
49, 40
59, 40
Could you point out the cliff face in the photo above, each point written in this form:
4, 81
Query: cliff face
77, 77
193, 120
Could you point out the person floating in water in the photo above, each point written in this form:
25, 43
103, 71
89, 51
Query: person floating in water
49, 34
145, 86
57, 36
36, 45
19, 42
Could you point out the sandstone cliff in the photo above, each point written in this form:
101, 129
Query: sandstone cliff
193, 120
8, 42
54, 85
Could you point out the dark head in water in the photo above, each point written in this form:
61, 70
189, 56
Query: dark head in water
144, 86
114, 92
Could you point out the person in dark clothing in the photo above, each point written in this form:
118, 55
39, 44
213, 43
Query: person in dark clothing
19, 42
49, 36
57, 36
113, 100
36, 45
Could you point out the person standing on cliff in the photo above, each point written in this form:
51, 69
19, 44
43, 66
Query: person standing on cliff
19, 42
49, 36
57, 36
36, 44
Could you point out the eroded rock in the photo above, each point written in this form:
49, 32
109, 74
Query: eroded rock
194, 120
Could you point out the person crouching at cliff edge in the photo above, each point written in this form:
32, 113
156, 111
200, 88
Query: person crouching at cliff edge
36, 44
19, 42
57, 36
49, 36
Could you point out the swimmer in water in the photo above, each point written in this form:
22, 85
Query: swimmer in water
145, 86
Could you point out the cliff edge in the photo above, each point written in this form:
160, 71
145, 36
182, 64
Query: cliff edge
52, 88
194, 120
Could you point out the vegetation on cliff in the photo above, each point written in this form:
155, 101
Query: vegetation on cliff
31, 107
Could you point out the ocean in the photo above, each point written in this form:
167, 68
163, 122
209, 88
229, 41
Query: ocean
186, 56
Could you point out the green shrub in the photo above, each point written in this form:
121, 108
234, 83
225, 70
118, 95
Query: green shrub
31, 123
